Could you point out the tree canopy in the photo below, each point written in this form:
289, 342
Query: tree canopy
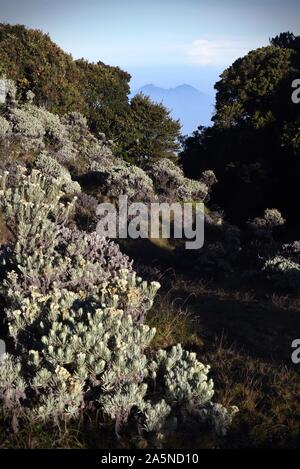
149, 131
97, 90
253, 145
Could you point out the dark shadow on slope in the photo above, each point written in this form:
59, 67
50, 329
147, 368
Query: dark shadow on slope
260, 328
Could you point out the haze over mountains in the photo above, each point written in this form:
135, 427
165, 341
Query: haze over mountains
186, 103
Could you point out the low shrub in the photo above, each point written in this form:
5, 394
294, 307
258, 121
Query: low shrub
75, 311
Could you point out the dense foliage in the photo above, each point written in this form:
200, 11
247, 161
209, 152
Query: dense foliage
74, 312
100, 92
149, 132
78, 320
73, 307
253, 146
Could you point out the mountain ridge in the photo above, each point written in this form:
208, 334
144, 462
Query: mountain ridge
186, 103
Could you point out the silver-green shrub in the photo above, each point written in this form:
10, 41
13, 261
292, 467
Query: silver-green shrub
183, 383
10, 92
5, 128
183, 378
218, 417
51, 168
171, 183
82, 142
208, 178
68, 142
283, 272
65, 138
28, 127
74, 311
121, 178
271, 219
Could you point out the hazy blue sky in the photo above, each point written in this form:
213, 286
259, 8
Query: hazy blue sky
165, 42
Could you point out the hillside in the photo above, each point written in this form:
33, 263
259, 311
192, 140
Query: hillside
98, 91
137, 342
60, 83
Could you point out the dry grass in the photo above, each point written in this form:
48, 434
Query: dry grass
246, 340
268, 396
174, 324
35, 436
5, 234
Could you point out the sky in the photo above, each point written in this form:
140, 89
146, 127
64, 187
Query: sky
165, 42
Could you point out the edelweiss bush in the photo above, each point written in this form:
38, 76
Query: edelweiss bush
121, 178
184, 379
292, 251
283, 272
82, 143
208, 178
51, 168
5, 128
28, 128
65, 138
270, 220
61, 146
10, 91
74, 312
171, 183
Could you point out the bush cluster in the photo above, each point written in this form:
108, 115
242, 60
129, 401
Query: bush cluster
75, 310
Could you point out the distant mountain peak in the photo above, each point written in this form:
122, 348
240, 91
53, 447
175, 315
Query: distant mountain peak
186, 103
185, 86
149, 85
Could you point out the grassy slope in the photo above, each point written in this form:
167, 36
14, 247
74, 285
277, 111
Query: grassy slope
245, 335
247, 342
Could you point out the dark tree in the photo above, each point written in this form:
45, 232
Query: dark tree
253, 145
